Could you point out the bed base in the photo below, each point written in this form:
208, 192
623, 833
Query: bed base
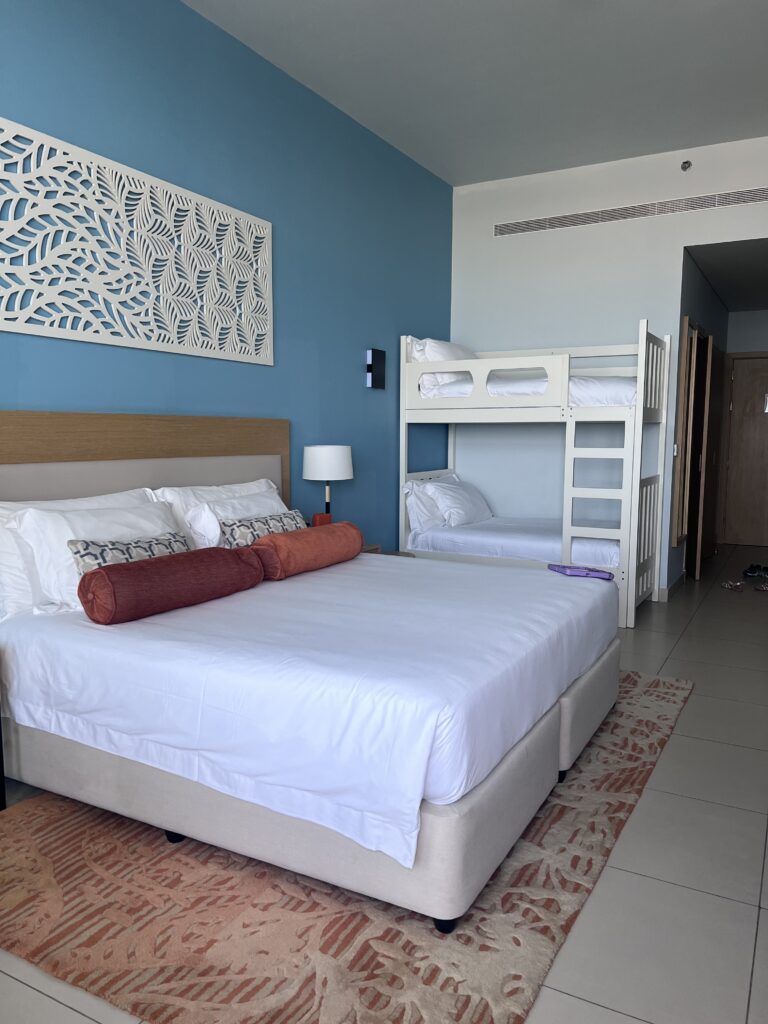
460, 845
585, 704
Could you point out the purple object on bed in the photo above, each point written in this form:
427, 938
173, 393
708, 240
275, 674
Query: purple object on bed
581, 570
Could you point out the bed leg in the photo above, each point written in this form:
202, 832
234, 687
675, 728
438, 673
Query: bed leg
174, 837
445, 925
562, 774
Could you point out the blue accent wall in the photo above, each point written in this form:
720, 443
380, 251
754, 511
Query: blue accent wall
361, 233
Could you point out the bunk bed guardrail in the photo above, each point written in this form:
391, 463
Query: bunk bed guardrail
553, 367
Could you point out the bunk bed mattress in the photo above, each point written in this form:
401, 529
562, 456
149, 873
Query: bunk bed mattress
582, 391
508, 537
337, 696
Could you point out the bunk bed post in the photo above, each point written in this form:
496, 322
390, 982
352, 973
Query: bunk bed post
569, 464
451, 453
637, 456
628, 546
402, 523
662, 455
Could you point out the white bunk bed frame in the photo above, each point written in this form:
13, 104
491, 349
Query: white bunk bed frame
639, 530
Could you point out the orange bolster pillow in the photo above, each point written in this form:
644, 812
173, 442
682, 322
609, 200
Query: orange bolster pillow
287, 554
135, 590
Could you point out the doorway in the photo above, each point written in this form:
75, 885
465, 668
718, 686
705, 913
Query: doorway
720, 485
746, 489
697, 464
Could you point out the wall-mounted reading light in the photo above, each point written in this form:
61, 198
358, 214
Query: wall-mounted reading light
376, 364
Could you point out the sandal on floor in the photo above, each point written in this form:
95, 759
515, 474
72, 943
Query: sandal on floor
762, 586
736, 585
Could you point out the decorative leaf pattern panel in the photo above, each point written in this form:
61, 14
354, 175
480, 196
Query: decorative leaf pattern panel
95, 251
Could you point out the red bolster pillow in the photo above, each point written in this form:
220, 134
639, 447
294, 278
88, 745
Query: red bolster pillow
286, 554
135, 590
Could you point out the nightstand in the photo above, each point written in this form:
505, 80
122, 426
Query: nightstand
371, 549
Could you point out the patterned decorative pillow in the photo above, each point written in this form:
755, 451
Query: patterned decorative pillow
240, 533
95, 554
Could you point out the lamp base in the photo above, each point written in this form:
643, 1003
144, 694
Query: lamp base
321, 518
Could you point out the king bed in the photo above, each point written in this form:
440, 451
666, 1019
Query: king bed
389, 725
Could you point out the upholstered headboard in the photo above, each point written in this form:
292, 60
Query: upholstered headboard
70, 454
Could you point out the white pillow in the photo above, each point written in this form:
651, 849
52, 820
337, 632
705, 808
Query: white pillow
182, 499
423, 513
47, 534
459, 503
427, 350
203, 520
19, 589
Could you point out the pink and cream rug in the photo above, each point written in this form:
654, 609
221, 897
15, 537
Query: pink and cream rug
195, 935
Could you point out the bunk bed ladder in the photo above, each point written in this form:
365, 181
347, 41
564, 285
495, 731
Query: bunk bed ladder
621, 533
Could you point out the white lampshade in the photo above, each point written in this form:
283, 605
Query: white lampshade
327, 462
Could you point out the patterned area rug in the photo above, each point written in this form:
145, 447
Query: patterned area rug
195, 935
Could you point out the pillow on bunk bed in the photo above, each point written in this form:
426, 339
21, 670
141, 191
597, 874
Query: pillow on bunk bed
427, 350
423, 512
459, 503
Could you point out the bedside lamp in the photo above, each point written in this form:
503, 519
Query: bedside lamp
327, 462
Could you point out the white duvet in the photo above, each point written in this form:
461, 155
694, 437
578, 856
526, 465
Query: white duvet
508, 537
582, 391
343, 696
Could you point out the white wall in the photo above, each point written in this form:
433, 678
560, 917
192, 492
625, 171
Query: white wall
592, 284
748, 332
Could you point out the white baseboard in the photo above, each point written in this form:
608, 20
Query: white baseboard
665, 593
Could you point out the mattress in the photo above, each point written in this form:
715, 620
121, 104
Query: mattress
507, 537
337, 696
582, 391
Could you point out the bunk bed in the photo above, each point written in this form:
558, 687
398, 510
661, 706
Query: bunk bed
624, 384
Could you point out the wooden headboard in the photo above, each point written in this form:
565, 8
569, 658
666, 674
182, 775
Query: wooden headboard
44, 437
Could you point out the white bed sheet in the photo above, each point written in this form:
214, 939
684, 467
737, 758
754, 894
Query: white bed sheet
507, 537
582, 391
337, 696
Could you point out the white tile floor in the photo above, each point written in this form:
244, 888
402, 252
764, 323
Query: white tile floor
673, 933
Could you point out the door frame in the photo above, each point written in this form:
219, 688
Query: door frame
704, 456
681, 469
725, 435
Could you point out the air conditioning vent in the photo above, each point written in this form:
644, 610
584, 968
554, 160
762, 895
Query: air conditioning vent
611, 214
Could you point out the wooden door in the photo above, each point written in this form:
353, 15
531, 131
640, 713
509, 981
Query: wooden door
701, 356
746, 507
709, 531
682, 466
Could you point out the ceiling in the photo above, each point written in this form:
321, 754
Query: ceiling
483, 89
738, 271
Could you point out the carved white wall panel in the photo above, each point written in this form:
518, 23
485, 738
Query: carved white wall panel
95, 251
